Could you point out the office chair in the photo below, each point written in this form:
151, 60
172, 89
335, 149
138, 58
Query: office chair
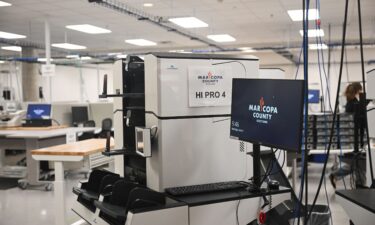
87, 135
106, 128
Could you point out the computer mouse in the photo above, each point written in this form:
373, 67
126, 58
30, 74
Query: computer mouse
273, 185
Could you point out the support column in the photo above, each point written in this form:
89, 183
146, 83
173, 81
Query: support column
30, 76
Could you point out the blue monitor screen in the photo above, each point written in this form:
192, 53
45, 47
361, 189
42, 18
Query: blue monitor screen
314, 96
38, 111
268, 112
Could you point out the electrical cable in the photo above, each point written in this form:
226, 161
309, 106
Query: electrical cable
57, 122
298, 205
335, 110
237, 208
320, 51
328, 89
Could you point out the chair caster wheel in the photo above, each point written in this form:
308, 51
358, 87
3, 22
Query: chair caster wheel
23, 185
48, 187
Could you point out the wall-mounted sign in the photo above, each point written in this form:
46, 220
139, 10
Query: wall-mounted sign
48, 70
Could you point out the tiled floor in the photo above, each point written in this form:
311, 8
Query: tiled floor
36, 207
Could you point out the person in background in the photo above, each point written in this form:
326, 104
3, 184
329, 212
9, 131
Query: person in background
353, 105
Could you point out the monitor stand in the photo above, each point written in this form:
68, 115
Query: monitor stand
256, 166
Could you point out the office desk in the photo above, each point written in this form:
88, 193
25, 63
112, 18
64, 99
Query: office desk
71, 152
358, 204
26, 138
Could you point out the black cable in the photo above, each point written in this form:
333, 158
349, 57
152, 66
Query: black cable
335, 111
57, 122
364, 87
282, 165
269, 168
370, 110
237, 208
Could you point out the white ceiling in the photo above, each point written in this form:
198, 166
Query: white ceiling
253, 23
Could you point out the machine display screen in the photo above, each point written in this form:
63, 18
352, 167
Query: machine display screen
38, 111
314, 96
268, 112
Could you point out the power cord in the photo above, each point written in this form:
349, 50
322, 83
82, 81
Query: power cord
335, 111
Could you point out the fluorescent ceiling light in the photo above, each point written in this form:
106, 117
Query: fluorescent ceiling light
247, 49
114, 53
7, 35
68, 46
87, 28
72, 56
86, 58
140, 42
188, 22
177, 50
43, 60
122, 56
12, 48
318, 46
313, 33
297, 15
221, 38
2, 4
148, 4
1, 62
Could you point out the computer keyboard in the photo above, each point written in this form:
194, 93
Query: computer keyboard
205, 188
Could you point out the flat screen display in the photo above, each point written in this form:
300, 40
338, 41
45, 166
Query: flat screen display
79, 114
268, 112
38, 111
314, 96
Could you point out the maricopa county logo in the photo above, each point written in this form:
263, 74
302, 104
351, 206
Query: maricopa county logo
262, 112
210, 78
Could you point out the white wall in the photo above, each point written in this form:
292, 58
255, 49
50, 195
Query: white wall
70, 84
82, 84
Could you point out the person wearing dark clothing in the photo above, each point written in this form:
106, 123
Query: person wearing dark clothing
354, 98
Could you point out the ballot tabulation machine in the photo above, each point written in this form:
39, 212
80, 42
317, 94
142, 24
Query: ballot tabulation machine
172, 124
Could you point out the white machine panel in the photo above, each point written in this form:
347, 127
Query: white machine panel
117, 117
192, 144
167, 88
196, 151
370, 84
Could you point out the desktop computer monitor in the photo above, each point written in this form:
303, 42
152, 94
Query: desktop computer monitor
79, 114
314, 96
38, 111
268, 112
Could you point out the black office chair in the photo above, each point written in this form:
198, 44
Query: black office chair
89, 123
106, 128
87, 135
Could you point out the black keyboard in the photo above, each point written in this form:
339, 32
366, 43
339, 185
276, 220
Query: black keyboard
205, 188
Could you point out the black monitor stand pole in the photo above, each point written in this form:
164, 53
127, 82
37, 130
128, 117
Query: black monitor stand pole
256, 165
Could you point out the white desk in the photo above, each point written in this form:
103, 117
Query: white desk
358, 204
33, 138
72, 152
